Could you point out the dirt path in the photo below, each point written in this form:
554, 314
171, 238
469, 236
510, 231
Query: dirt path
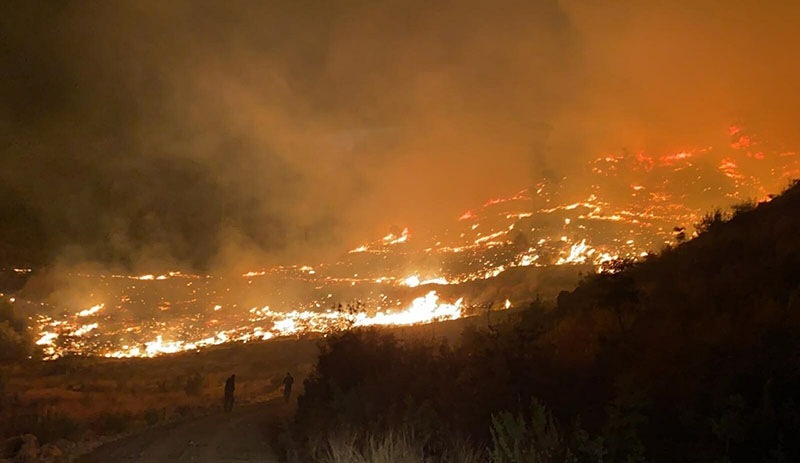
239, 436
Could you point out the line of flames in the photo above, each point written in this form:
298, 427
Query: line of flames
265, 324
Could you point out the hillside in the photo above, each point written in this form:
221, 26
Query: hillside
732, 284
691, 355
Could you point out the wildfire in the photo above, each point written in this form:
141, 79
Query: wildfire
630, 205
263, 324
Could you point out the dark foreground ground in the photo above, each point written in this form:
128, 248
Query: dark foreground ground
240, 436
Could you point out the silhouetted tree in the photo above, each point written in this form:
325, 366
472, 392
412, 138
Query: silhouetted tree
711, 220
680, 234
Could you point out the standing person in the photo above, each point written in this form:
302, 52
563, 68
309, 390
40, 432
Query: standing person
287, 386
230, 386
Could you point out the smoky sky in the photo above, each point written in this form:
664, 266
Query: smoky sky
200, 132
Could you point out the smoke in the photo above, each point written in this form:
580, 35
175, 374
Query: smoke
219, 134
667, 76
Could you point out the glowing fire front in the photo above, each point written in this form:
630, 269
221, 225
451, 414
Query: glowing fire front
424, 309
264, 324
384, 243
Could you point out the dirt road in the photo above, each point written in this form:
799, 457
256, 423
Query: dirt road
238, 437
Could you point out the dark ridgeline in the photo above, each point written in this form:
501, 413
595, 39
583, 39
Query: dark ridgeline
691, 355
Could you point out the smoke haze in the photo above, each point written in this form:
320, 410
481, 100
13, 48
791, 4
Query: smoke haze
211, 134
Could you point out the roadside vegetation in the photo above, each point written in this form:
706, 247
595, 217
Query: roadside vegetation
77, 403
691, 355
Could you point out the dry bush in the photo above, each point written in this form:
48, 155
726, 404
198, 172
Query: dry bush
113, 422
394, 447
47, 426
153, 416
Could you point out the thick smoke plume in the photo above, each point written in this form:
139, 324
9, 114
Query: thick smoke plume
205, 133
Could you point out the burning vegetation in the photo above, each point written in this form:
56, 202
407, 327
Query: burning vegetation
403, 278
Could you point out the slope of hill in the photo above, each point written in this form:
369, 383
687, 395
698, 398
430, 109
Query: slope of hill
691, 355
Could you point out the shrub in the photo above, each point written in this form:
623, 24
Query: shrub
394, 447
711, 220
152, 416
161, 385
185, 411
729, 426
47, 427
744, 206
625, 418
536, 439
194, 384
110, 423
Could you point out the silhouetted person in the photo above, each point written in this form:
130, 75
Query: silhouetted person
230, 386
287, 386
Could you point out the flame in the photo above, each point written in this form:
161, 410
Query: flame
85, 329
490, 238
424, 309
741, 143
731, 170
413, 281
670, 159
391, 238
90, 311
578, 253
582, 253
521, 195
380, 246
46, 338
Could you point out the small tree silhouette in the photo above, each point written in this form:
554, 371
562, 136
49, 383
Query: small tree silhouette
711, 220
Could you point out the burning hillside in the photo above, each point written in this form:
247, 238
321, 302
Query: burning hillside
636, 203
